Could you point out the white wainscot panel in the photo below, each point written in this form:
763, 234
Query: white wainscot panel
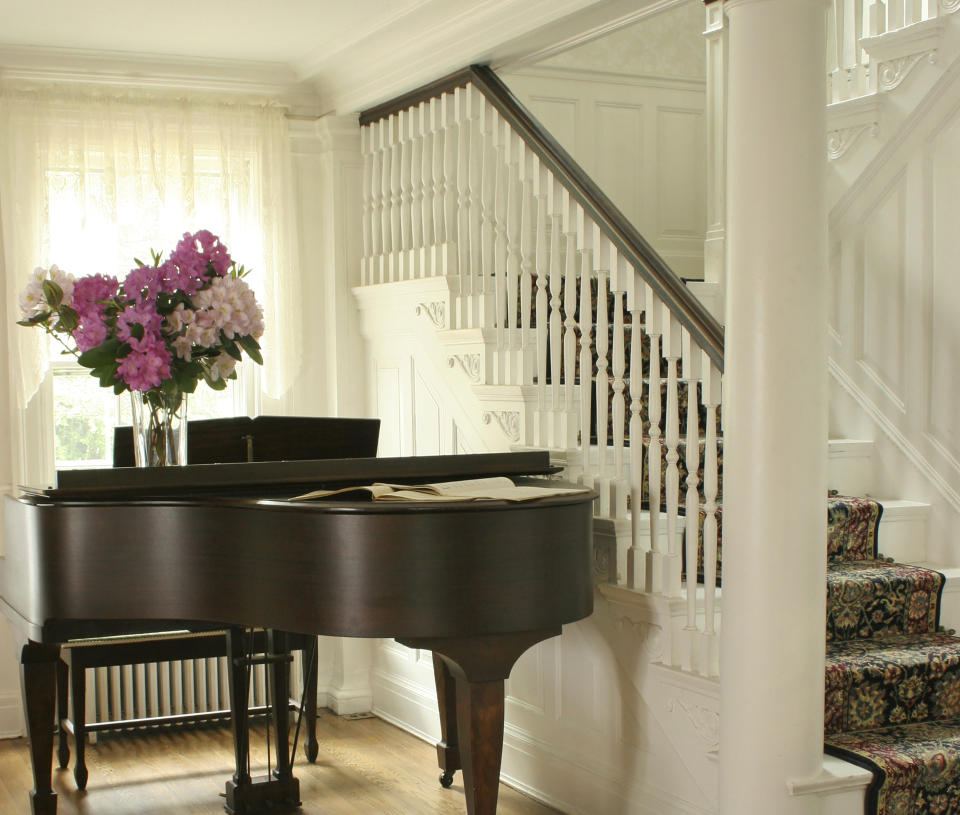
680, 165
526, 684
390, 411
559, 116
426, 418
621, 156
882, 307
944, 374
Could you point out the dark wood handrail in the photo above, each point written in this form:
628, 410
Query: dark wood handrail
666, 284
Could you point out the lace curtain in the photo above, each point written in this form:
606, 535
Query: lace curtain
91, 178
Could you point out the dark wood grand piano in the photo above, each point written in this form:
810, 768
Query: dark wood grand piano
477, 583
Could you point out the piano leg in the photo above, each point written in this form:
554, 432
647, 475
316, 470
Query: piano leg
479, 666
281, 790
63, 691
448, 751
39, 686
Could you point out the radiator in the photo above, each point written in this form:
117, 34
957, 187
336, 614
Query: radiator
191, 686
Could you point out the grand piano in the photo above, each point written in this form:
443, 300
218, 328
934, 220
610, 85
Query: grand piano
476, 583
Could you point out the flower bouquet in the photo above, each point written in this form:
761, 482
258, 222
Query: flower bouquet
156, 334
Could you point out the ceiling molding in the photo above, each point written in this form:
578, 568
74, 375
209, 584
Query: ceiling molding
272, 80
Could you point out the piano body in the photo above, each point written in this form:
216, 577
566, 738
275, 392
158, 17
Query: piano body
476, 583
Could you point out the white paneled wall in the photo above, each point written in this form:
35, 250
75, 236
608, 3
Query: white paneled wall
601, 117
894, 249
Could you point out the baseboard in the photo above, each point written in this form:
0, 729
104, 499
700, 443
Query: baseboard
11, 718
345, 702
567, 785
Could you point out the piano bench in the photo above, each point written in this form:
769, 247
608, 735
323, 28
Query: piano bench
78, 655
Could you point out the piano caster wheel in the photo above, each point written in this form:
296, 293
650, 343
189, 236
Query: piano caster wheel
446, 780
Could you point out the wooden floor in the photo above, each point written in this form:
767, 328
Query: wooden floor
365, 767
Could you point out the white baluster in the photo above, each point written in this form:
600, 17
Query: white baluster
428, 128
406, 193
691, 375
602, 386
475, 104
542, 259
416, 192
586, 354
396, 199
556, 318
569, 322
488, 196
618, 403
376, 202
635, 567
438, 126
527, 249
672, 347
450, 136
514, 193
655, 451
463, 194
500, 249
711, 399
366, 148
386, 137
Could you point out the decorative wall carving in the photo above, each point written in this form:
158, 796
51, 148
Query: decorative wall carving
468, 363
508, 420
436, 312
892, 73
648, 635
841, 140
704, 720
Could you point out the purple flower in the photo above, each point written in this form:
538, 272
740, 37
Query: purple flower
200, 249
89, 291
143, 283
146, 366
91, 331
143, 313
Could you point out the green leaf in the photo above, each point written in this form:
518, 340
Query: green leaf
104, 354
231, 348
252, 347
52, 292
36, 319
69, 320
136, 331
119, 387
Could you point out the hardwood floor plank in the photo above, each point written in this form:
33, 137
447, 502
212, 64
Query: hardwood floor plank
365, 767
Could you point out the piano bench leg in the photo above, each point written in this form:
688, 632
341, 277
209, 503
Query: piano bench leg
78, 692
43, 803
63, 745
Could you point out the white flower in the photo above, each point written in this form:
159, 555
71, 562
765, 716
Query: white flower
222, 366
33, 300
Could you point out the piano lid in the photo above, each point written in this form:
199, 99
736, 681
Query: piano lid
285, 476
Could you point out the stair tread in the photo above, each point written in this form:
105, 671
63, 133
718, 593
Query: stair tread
874, 598
918, 649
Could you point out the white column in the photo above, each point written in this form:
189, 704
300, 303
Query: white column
711, 290
775, 408
328, 170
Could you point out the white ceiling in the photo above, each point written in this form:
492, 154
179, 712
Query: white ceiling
349, 54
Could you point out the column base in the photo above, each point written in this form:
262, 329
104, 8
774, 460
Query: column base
261, 794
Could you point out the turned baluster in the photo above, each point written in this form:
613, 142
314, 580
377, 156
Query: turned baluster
672, 347
691, 374
655, 450
406, 193
586, 342
636, 570
543, 266
569, 318
556, 318
366, 149
711, 398
428, 126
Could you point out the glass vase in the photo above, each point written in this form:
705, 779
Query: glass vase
159, 428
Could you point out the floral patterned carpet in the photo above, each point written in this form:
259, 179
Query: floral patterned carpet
892, 700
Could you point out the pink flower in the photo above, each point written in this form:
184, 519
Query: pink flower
91, 332
146, 366
143, 283
200, 249
89, 291
143, 313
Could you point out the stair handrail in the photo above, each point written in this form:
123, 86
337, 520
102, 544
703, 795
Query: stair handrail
703, 327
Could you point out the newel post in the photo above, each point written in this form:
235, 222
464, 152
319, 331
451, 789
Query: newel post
775, 408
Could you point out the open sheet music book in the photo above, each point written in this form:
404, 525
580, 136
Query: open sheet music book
497, 488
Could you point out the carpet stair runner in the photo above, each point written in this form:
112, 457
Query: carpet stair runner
892, 690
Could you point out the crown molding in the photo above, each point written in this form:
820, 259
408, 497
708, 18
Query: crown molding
272, 80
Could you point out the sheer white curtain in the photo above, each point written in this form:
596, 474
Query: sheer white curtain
92, 177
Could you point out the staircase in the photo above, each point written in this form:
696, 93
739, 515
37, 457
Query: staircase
477, 248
